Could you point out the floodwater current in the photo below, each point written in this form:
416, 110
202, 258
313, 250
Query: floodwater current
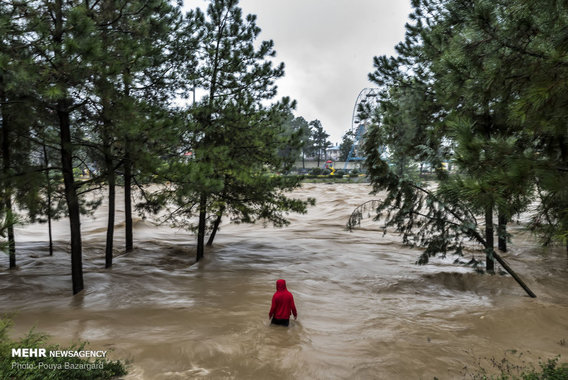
366, 311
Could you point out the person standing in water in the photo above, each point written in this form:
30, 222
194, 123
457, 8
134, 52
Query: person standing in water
282, 305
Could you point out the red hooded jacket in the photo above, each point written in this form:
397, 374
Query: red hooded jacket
282, 302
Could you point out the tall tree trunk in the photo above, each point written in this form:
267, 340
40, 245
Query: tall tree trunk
129, 240
107, 124
48, 188
215, 227
9, 213
206, 139
128, 234
111, 211
110, 224
11, 236
6, 164
201, 227
71, 196
490, 264
502, 231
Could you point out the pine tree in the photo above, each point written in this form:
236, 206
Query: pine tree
346, 145
132, 76
18, 177
152, 52
466, 117
319, 140
63, 44
234, 137
302, 128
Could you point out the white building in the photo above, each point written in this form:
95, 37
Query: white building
333, 152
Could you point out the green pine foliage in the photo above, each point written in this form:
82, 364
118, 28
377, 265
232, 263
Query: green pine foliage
477, 85
235, 137
345, 146
90, 96
80, 81
319, 140
301, 141
20, 176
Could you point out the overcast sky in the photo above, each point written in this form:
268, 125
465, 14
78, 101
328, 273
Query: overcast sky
328, 48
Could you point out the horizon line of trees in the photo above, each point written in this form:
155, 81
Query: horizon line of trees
88, 84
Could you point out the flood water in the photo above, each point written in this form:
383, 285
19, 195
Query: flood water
366, 311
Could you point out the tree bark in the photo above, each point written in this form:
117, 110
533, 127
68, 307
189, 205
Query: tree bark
215, 227
502, 231
201, 227
128, 235
11, 236
489, 240
477, 237
512, 273
111, 212
8, 193
48, 188
71, 196
6, 164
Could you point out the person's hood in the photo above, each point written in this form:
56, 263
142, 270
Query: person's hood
280, 285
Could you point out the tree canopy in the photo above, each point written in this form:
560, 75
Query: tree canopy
476, 87
93, 94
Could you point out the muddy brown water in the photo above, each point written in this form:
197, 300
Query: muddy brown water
366, 311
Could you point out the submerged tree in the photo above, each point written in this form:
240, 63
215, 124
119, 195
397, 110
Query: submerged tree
8, 48
63, 48
47, 201
152, 53
476, 62
136, 67
19, 173
88, 86
85, 55
235, 139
